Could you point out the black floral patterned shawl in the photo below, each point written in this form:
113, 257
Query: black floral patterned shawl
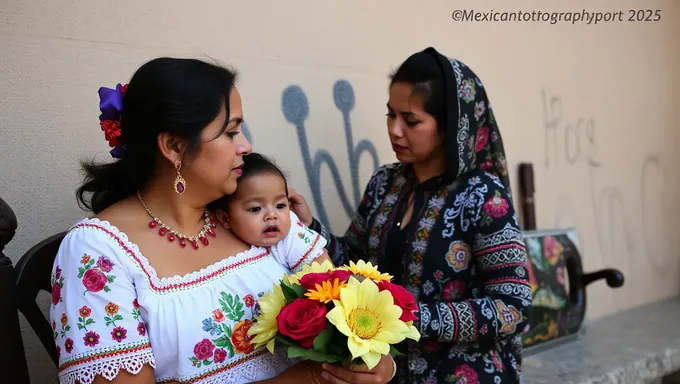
461, 255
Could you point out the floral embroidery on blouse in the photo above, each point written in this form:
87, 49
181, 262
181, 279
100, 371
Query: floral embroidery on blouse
95, 277
231, 338
57, 286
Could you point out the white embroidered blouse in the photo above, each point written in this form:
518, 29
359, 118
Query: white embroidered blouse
110, 311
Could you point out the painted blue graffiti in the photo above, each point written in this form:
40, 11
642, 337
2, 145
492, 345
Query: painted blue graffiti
295, 107
246, 131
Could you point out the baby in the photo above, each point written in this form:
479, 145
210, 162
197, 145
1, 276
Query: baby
259, 214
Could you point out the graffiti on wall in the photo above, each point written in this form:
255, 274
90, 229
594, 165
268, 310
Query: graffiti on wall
295, 107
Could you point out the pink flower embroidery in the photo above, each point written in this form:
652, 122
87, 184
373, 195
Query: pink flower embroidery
141, 329
220, 355
68, 344
482, 138
466, 375
56, 293
57, 285
453, 290
496, 206
105, 264
204, 349
94, 280
119, 334
486, 165
91, 339
94, 276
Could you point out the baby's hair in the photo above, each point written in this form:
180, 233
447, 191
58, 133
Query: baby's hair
253, 164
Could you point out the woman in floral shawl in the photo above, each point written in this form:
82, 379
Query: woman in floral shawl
442, 222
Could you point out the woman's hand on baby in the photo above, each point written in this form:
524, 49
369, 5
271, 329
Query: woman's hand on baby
381, 373
299, 206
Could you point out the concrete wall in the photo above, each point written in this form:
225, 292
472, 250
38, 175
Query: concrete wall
591, 105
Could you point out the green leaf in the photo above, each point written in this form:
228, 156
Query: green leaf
299, 290
81, 272
89, 321
394, 351
223, 341
310, 354
227, 330
110, 278
322, 340
118, 318
290, 293
231, 350
283, 340
107, 289
80, 326
232, 306
207, 362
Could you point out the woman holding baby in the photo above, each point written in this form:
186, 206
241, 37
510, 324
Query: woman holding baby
157, 287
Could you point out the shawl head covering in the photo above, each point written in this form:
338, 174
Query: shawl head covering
472, 138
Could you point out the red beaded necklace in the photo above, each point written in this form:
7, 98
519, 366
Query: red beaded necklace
182, 238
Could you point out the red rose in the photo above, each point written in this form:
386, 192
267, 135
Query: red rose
56, 293
402, 298
94, 280
302, 320
310, 280
341, 275
203, 350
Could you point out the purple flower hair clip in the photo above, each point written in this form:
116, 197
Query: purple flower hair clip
111, 105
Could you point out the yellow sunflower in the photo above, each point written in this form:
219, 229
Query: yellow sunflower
369, 319
265, 327
314, 267
367, 270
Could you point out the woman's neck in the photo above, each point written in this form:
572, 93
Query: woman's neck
430, 168
180, 212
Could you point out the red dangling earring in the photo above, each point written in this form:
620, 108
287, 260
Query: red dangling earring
180, 185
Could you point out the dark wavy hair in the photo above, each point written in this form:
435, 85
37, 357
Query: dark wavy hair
422, 71
173, 95
253, 164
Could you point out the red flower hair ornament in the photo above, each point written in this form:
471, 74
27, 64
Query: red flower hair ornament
111, 105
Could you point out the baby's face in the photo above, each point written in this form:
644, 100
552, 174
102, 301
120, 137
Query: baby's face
258, 212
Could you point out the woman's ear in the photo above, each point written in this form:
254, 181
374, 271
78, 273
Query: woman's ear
223, 218
171, 147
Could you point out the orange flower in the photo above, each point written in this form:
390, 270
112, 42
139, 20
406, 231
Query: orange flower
111, 309
85, 311
64, 320
240, 339
218, 315
85, 260
327, 291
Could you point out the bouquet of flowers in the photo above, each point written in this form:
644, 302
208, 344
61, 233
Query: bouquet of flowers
346, 315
